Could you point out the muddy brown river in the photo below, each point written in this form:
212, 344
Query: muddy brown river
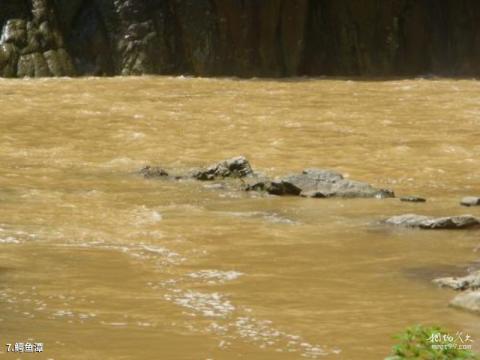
97, 262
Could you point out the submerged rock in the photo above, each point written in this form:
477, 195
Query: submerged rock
237, 167
469, 300
470, 201
469, 282
318, 183
411, 198
153, 172
427, 222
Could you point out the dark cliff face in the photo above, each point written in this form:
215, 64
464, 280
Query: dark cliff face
240, 37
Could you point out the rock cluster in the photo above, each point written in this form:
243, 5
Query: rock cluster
34, 48
234, 168
469, 282
314, 183
469, 299
237, 167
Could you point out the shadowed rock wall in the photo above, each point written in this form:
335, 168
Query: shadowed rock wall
240, 37
31, 44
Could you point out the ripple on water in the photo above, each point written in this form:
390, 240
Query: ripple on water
159, 254
206, 304
215, 276
9, 240
11, 236
122, 163
271, 217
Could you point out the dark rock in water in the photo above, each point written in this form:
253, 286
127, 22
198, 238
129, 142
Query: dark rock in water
427, 222
469, 282
469, 300
256, 183
415, 199
317, 183
312, 183
237, 167
153, 172
470, 201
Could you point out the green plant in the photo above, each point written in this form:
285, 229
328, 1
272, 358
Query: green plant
431, 343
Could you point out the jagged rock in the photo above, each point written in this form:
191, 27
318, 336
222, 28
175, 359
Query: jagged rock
136, 38
469, 300
153, 172
25, 67
33, 39
470, 201
471, 282
59, 63
65, 63
9, 56
427, 222
317, 183
24, 43
46, 38
40, 65
237, 167
40, 10
15, 32
53, 62
32, 65
410, 198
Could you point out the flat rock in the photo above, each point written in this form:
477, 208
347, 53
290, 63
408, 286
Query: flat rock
469, 282
469, 300
470, 201
237, 167
415, 199
427, 222
318, 183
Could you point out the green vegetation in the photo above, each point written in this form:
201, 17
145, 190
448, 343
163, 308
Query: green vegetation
432, 343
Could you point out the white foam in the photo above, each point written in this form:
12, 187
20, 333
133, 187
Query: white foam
9, 240
263, 333
206, 304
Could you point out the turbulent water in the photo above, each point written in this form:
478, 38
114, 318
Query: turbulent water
97, 262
